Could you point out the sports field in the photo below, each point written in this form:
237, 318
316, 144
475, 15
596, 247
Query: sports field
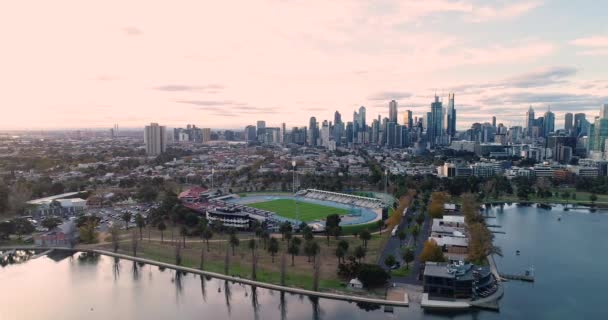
308, 211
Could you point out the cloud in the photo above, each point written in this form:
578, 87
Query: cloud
132, 31
390, 95
207, 102
557, 101
593, 42
509, 11
210, 88
537, 78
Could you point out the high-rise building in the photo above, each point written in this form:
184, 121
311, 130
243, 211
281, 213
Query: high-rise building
408, 120
362, 123
451, 116
337, 118
568, 121
155, 139
580, 124
494, 121
313, 132
529, 121
549, 122
435, 130
282, 134
250, 133
604, 111
206, 135
392, 111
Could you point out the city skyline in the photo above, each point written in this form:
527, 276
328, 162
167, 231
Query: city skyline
286, 61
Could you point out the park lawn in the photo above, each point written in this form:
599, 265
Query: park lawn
401, 272
308, 211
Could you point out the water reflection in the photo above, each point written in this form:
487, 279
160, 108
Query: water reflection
227, 296
203, 288
316, 308
15, 256
283, 306
88, 258
178, 284
254, 302
116, 269
135, 271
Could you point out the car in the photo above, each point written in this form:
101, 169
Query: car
396, 266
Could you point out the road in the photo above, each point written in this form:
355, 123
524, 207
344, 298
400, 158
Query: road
393, 247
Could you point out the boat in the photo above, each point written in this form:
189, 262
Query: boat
544, 206
517, 252
559, 218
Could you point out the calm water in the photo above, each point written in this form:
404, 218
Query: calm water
569, 258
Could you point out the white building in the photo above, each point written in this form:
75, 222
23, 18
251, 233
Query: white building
155, 139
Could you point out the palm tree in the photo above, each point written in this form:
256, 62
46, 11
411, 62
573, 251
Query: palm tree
141, 223
344, 245
284, 228
380, 224
207, 234
294, 249
183, 231
273, 247
311, 248
360, 253
288, 235
408, 256
402, 235
126, 217
415, 232
265, 238
390, 261
340, 253
234, 242
365, 236
162, 227
307, 233
251, 245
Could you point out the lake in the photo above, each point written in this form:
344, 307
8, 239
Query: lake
568, 256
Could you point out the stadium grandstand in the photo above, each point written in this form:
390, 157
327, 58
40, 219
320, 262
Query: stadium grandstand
348, 199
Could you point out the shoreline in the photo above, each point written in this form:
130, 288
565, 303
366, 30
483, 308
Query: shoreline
326, 295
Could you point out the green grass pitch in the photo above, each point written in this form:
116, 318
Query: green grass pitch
308, 211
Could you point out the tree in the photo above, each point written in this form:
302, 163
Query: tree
380, 224
88, 234
344, 245
332, 226
372, 275
251, 246
162, 227
593, 198
311, 249
126, 217
284, 228
134, 243
415, 232
402, 235
265, 238
408, 256
51, 223
365, 236
431, 252
287, 236
390, 261
273, 247
294, 249
340, 254
141, 223
234, 242
183, 231
207, 235
307, 233
420, 218
360, 253
114, 234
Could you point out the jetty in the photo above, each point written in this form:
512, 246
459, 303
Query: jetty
520, 277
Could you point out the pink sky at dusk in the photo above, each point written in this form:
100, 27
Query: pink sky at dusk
226, 64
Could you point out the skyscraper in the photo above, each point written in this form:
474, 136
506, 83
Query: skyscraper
451, 116
568, 121
392, 111
337, 118
435, 130
529, 121
549, 122
408, 119
494, 121
362, 123
313, 131
155, 139
580, 124
250, 133
604, 111
206, 135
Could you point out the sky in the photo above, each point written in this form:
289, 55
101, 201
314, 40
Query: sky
226, 64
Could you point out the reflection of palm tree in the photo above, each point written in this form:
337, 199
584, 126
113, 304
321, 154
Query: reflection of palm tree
283, 306
316, 308
135, 271
178, 283
116, 268
254, 302
203, 289
227, 295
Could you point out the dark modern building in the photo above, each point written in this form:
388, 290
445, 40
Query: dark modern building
458, 281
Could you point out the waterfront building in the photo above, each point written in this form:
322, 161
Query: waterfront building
458, 281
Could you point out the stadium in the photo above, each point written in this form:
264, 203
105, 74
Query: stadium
310, 206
